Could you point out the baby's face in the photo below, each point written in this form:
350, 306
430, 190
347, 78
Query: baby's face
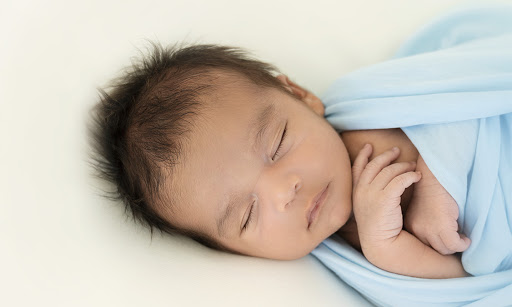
252, 186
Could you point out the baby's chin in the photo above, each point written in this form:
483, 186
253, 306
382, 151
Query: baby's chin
287, 254
295, 250
334, 226
305, 250
292, 255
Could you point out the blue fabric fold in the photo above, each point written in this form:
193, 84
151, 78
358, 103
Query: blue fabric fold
449, 88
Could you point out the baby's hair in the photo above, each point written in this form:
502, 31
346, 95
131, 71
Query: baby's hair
140, 125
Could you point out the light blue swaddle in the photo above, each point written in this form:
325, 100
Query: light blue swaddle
449, 88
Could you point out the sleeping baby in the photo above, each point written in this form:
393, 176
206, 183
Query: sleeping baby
208, 142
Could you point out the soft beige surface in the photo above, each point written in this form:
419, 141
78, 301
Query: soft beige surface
60, 243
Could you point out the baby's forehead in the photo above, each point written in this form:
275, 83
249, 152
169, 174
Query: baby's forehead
225, 81
228, 79
234, 105
235, 118
234, 99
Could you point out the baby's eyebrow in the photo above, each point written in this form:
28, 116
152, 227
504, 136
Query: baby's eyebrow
222, 223
261, 122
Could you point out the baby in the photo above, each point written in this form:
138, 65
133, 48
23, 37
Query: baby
207, 142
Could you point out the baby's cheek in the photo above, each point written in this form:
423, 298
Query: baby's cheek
291, 247
339, 216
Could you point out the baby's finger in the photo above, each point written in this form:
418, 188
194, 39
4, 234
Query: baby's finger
401, 182
437, 244
454, 241
391, 171
360, 163
378, 163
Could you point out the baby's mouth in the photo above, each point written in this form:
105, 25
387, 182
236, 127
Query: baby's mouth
316, 205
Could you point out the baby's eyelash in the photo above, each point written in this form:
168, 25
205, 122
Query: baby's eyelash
249, 218
280, 143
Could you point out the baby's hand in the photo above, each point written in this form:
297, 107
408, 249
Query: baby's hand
432, 215
377, 188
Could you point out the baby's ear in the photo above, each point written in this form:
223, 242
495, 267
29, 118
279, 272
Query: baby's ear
304, 95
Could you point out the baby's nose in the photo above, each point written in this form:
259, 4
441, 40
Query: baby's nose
282, 193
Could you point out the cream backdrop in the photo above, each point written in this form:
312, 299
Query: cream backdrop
63, 245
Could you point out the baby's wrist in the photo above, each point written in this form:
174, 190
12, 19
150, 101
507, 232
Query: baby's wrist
373, 246
381, 251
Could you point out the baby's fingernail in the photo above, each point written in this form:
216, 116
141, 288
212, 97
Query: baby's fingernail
419, 173
395, 149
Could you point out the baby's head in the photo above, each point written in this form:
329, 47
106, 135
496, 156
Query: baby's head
207, 142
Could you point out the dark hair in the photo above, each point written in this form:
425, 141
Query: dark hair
139, 127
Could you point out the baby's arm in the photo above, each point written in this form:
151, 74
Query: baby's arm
377, 188
407, 255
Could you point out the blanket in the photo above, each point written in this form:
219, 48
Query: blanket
449, 88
